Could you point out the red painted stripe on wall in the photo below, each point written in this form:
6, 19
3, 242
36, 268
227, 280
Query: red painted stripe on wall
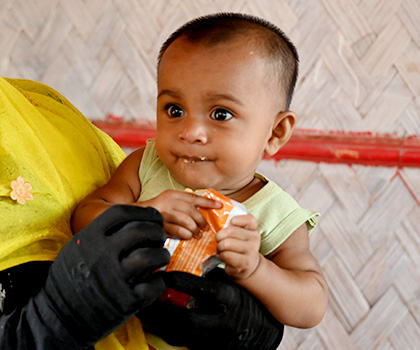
310, 145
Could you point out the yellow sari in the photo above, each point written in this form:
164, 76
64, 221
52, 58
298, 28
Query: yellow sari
51, 157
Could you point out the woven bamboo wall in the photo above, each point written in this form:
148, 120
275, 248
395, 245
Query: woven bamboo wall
360, 71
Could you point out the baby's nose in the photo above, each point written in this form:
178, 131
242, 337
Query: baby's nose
193, 131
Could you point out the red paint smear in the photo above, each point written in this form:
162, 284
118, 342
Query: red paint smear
364, 148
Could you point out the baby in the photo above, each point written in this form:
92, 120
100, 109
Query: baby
225, 83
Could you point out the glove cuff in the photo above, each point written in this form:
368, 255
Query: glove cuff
279, 338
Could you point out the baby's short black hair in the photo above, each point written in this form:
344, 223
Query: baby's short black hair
222, 27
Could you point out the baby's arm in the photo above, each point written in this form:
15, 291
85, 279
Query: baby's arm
289, 283
178, 208
123, 188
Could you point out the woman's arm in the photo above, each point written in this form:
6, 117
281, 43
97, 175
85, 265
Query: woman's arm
100, 278
27, 321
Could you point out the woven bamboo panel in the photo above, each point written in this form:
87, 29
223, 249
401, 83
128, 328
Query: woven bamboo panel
360, 71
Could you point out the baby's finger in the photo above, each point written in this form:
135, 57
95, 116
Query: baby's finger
200, 201
188, 215
234, 259
229, 244
238, 232
199, 220
183, 220
238, 245
177, 231
239, 266
247, 221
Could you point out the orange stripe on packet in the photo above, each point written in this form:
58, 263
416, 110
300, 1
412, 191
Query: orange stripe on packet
192, 255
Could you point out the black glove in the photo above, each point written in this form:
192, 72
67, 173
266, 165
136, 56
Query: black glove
103, 275
226, 316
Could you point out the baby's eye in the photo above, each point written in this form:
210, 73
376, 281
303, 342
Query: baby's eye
175, 111
221, 114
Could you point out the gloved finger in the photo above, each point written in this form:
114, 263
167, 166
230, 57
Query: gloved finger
218, 274
143, 261
159, 318
202, 289
138, 234
150, 289
117, 216
161, 315
182, 281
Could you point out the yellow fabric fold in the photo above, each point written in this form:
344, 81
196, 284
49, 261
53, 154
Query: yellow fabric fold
64, 157
48, 142
129, 336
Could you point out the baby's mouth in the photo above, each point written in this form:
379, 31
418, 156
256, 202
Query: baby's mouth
192, 160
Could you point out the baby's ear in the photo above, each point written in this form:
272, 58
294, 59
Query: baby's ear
282, 131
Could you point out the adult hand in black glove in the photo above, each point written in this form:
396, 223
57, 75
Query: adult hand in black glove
226, 316
103, 275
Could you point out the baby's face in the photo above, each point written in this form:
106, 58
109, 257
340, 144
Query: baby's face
215, 114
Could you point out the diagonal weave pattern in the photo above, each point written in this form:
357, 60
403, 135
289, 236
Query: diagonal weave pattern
368, 243
360, 71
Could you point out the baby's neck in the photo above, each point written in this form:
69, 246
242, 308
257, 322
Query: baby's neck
245, 192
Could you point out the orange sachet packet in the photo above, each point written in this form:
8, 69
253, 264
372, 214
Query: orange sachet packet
199, 256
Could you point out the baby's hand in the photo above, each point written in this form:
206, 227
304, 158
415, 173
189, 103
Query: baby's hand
238, 246
181, 217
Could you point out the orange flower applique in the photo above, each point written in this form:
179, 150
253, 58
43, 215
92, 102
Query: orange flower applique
21, 190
